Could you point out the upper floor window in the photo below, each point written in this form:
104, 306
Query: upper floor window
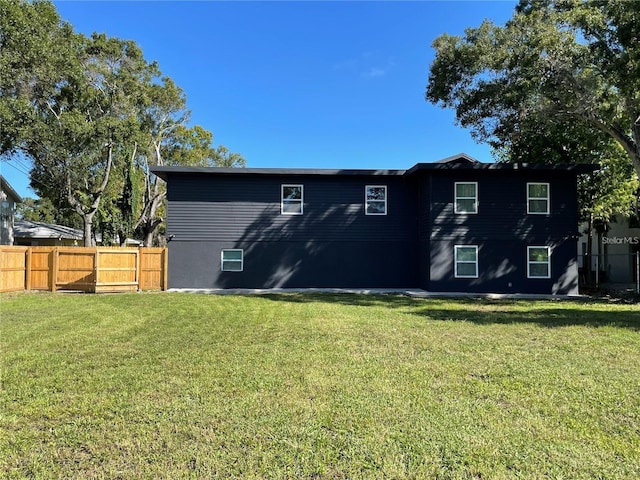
232, 260
292, 199
538, 198
466, 261
538, 262
375, 200
466, 200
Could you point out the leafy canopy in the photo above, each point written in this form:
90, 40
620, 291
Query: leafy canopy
554, 68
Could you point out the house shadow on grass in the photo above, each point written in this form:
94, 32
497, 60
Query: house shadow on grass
481, 311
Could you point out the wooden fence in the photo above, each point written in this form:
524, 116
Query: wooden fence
86, 269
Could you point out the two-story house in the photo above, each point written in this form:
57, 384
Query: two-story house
456, 225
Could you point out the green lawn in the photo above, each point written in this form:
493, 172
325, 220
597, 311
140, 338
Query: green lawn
317, 386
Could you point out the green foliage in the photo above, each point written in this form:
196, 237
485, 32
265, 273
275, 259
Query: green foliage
43, 210
317, 386
560, 81
93, 115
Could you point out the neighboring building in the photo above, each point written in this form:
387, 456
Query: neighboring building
38, 234
457, 225
614, 249
8, 200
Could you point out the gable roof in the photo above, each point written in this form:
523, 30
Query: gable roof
461, 158
8, 189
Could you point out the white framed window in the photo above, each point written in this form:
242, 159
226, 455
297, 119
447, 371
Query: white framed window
538, 198
466, 197
375, 202
539, 262
292, 200
466, 261
232, 260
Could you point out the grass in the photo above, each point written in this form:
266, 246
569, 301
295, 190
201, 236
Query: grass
317, 386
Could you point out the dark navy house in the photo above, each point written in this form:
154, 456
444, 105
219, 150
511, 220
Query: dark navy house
456, 225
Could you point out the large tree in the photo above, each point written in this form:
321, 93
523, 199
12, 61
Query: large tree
554, 68
92, 114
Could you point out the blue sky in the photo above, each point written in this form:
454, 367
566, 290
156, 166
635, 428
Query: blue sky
301, 84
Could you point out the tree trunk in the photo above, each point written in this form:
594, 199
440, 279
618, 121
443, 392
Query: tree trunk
87, 218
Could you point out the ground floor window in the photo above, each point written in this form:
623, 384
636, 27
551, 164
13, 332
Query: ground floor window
466, 261
538, 262
232, 260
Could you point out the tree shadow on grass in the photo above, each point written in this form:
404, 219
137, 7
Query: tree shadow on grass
482, 311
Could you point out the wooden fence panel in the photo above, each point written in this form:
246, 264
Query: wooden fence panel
117, 269
88, 269
39, 276
13, 267
153, 269
75, 268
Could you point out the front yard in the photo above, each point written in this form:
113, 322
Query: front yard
317, 386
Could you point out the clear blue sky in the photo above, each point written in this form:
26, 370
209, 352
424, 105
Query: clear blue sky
301, 84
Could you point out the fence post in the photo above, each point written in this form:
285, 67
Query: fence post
138, 267
27, 269
54, 269
165, 269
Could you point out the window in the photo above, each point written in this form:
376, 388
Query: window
538, 262
232, 260
466, 197
466, 261
375, 200
538, 198
292, 200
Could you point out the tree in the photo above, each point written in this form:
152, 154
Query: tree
555, 64
33, 60
170, 141
92, 114
86, 125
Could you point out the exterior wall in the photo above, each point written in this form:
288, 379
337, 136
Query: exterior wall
7, 207
502, 230
46, 242
332, 244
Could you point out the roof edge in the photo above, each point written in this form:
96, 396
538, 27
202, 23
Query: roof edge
6, 187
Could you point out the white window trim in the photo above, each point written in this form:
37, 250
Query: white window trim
548, 262
455, 261
222, 260
547, 198
456, 198
282, 199
366, 200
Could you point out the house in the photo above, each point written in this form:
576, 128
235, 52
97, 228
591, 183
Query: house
32, 234
456, 225
8, 200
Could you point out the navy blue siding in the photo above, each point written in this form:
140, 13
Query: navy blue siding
502, 207
502, 268
333, 244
